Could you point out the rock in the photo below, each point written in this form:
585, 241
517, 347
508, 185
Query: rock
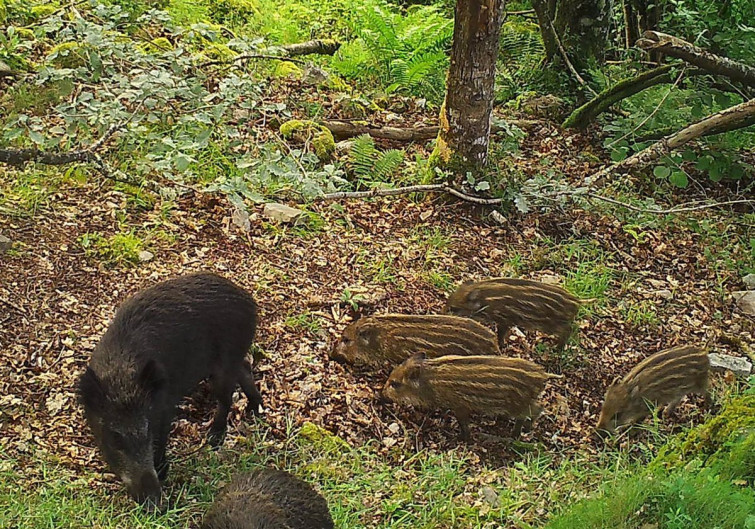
5, 243
490, 496
146, 256
745, 301
5, 70
282, 213
664, 294
738, 366
240, 219
749, 281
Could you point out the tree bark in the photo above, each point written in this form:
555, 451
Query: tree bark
465, 114
732, 118
318, 46
681, 49
582, 26
582, 116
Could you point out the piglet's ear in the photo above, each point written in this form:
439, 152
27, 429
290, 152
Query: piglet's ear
152, 378
90, 389
415, 366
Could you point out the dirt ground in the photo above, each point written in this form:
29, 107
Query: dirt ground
55, 302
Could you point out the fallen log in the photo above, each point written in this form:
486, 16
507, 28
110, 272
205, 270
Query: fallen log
286, 52
681, 49
317, 46
732, 118
348, 129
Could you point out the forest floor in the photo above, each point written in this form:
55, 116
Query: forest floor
655, 282
82, 243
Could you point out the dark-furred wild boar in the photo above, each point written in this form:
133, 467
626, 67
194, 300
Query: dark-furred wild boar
392, 338
662, 379
161, 343
485, 385
268, 499
529, 305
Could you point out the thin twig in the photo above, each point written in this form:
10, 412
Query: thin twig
655, 110
445, 188
246, 56
566, 58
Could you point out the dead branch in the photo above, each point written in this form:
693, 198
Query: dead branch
287, 52
732, 118
569, 64
580, 192
348, 129
317, 46
19, 157
681, 49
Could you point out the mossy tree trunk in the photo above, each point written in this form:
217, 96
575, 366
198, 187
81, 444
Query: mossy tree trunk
582, 26
464, 132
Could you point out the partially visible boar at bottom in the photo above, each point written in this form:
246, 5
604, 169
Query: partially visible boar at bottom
662, 379
470, 385
268, 499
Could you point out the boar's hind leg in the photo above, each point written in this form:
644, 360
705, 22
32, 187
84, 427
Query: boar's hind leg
564, 334
222, 384
246, 380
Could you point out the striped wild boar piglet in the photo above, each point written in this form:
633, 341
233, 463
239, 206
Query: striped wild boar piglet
392, 338
529, 305
662, 379
161, 343
268, 499
467, 385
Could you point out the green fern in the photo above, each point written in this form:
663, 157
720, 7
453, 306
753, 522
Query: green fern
369, 163
406, 51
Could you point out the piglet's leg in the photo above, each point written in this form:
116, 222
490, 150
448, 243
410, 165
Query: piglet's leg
222, 388
503, 334
462, 416
670, 407
246, 380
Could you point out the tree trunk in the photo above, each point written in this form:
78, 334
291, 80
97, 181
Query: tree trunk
581, 25
631, 24
465, 115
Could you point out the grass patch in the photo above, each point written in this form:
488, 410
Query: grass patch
305, 321
364, 486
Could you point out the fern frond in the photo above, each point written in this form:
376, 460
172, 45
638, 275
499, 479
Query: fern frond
362, 155
387, 164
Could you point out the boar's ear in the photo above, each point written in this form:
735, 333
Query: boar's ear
90, 389
152, 378
415, 366
366, 335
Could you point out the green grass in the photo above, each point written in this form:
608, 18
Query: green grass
365, 487
305, 321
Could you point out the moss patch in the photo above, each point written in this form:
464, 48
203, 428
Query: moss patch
303, 131
321, 438
69, 55
287, 69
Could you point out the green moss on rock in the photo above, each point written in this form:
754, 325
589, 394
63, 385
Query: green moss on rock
43, 11
719, 441
69, 55
322, 439
287, 69
158, 45
304, 131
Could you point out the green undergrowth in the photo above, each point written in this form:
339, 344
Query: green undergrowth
365, 486
703, 478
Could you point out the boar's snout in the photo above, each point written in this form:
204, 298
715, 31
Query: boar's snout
145, 489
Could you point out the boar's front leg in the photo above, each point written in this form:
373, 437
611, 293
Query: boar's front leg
162, 430
564, 333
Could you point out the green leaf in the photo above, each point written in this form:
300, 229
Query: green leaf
619, 154
36, 137
679, 179
661, 171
